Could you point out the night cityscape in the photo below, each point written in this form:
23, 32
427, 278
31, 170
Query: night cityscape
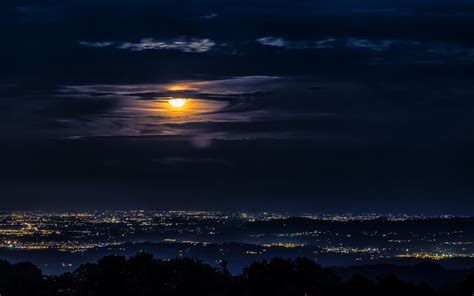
60, 242
236, 147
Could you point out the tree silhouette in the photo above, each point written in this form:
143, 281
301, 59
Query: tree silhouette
21, 279
287, 277
143, 275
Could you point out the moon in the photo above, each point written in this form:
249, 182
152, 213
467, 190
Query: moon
177, 103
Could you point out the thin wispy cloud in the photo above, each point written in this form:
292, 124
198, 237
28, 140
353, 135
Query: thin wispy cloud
96, 44
330, 43
325, 43
368, 44
273, 41
190, 45
209, 16
305, 44
406, 51
181, 44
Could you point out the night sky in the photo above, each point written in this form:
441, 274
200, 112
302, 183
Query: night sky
298, 106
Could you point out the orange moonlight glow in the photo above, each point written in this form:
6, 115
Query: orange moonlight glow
177, 103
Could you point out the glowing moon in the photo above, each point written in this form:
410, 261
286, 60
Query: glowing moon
177, 103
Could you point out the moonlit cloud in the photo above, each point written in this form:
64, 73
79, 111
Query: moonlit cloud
143, 109
368, 44
228, 86
325, 43
305, 44
181, 44
272, 41
209, 16
96, 44
401, 51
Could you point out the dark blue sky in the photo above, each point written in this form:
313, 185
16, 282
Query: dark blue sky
301, 106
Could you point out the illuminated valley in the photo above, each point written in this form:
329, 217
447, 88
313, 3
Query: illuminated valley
329, 239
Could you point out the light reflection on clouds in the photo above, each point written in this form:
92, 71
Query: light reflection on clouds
145, 108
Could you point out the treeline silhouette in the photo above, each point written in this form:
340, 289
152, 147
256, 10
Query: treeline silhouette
144, 275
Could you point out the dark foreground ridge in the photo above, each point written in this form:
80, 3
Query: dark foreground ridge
144, 275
